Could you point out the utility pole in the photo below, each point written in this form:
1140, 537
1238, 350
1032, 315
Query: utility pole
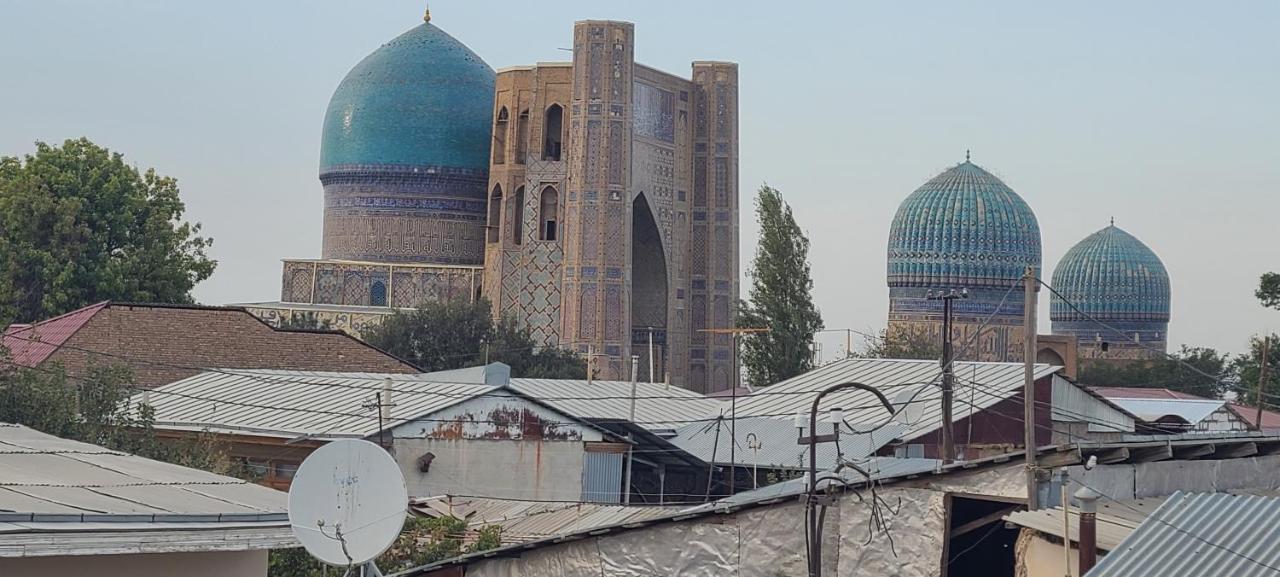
1029, 382
382, 403
733, 393
948, 374
591, 360
631, 417
1262, 377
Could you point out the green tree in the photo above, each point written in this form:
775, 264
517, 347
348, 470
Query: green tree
94, 408
1248, 368
78, 226
1269, 290
456, 334
781, 297
305, 320
1184, 370
903, 343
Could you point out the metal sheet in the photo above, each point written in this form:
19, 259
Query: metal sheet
297, 403
1202, 534
776, 438
657, 407
602, 477
908, 380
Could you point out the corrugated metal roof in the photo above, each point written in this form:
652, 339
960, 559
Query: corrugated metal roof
298, 403
658, 406
1196, 534
880, 468
523, 521
1141, 393
901, 381
30, 345
1191, 410
51, 486
776, 439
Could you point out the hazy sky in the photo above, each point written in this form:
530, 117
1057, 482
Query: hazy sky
1165, 115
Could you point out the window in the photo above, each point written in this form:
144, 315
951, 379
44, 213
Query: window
548, 214
284, 471
517, 218
522, 136
500, 137
378, 294
552, 128
495, 213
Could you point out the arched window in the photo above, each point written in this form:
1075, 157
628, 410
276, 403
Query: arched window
548, 214
522, 136
378, 294
517, 217
495, 213
500, 137
552, 129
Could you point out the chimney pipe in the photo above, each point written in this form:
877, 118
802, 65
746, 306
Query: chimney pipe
1088, 499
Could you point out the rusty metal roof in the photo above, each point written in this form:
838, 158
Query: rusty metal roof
30, 345
524, 521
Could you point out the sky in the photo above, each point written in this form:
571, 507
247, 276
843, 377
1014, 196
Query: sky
1162, 114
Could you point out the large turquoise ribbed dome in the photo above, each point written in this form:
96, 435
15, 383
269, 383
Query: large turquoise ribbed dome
1111, 276
963, 228
422, 99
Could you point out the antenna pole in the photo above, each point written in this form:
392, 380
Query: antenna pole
1262, 377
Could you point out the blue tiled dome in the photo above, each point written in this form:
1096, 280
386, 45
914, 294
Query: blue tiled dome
963, 228
422, 99
404, 157
1112, 276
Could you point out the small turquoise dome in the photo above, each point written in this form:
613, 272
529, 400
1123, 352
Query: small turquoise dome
422, 99
962, 229
1112, 276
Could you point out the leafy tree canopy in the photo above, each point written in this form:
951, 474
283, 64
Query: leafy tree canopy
1171, 372
444, 336
781, 297
1248, 368
1269, 290
903, 343
79, 226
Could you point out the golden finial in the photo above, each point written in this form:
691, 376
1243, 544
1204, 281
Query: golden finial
427, 16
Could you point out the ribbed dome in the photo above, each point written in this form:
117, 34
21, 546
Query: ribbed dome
422, 99
963, 228
1112, 276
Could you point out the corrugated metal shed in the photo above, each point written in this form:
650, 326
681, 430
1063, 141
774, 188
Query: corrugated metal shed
115, 502
1074, 403
776, 438
30, 345
902, 381
658, 406
298, 403
1194, 534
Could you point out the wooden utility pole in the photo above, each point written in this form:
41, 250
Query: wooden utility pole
1029, 383
1262, 378
733, 393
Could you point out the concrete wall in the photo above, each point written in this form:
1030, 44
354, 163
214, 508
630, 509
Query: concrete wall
500, 445
220, 564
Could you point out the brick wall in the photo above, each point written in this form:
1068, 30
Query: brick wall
151, 340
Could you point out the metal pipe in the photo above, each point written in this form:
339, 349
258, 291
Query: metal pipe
1088, 528
815, 538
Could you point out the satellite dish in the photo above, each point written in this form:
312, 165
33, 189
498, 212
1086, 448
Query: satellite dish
347, 503
909, 404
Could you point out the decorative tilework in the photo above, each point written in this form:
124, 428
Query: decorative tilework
654, 113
